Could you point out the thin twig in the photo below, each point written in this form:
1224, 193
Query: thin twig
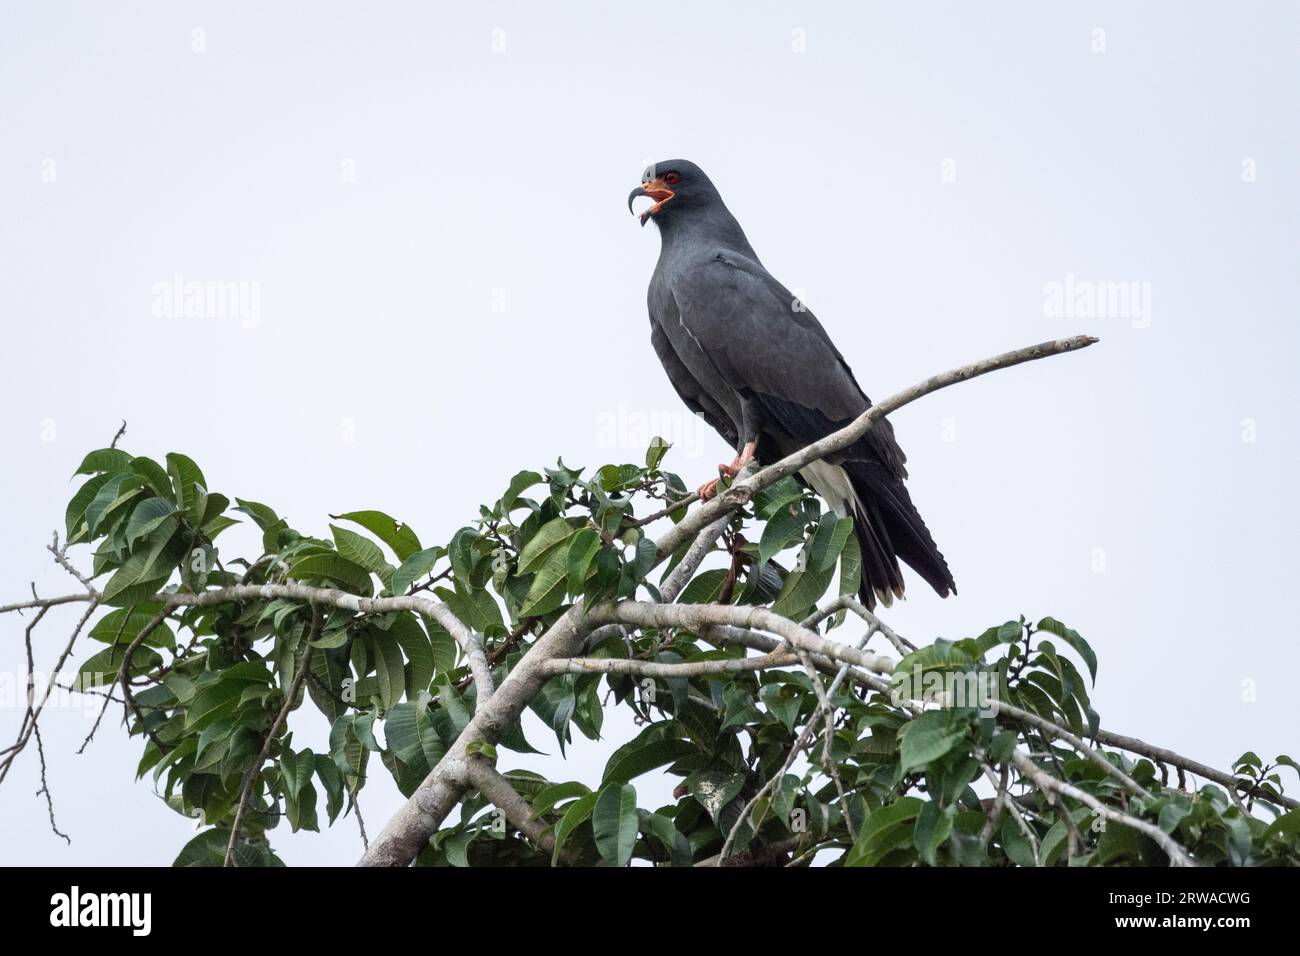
45, 786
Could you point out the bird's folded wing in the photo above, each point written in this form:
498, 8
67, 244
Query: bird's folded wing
688, 389
766, 344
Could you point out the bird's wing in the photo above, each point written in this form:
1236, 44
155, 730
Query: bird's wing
764, 343
695, 396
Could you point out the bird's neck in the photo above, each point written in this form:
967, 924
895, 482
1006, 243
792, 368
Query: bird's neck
715, 227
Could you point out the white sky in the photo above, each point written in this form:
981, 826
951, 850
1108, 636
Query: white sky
473, 302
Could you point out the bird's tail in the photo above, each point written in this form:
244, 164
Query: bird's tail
887, 525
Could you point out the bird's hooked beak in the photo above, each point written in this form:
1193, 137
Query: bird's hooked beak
657, 190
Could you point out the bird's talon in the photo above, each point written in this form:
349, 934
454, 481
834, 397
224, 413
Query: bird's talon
708, 490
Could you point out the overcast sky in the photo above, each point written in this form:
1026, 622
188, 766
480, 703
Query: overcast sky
425, 204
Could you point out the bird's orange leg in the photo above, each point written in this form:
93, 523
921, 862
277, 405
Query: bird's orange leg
740, 461
710, 488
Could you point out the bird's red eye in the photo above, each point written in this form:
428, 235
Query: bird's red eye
671, 179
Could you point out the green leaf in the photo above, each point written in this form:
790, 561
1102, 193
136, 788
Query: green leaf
208, 849
663, 829
783, 529
332, 781
784, 797
539, 545
1081, 647
739, 707
442, 645
546, 593
1288, 824
1057, 837
153, 473
575, 816
933, 824
654, 454
801, 590
130, 622
262, 514
427, 732
1001, 746
397, 536
414, 567
345, 746
781, 703
415, 644
213, 702
627, 765
714, 790
930, 736
1017, 847
218, 525
704, 588
518, 484
476, 610
942, 656
299, 796
110, 495
851, 566
614, 823
155, 557
776, 496
147, 516
327, 687
546, 798
296, 772
335, 568
583, 549
828, 541
388, 668
76, 511
104, 459
187, 479
102, 668
401, 733
465, 555
883, 831
359, 550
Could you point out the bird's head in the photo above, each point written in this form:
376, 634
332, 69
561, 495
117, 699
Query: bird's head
676, 186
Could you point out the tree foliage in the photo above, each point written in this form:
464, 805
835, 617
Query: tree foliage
777, 764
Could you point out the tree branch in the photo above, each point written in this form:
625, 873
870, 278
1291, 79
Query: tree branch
485, 778
636, 668
742, 490
697, 617
1047, 783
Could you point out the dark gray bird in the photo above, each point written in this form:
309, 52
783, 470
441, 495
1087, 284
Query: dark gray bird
744, 353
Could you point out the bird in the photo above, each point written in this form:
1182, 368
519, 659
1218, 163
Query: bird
745, 354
